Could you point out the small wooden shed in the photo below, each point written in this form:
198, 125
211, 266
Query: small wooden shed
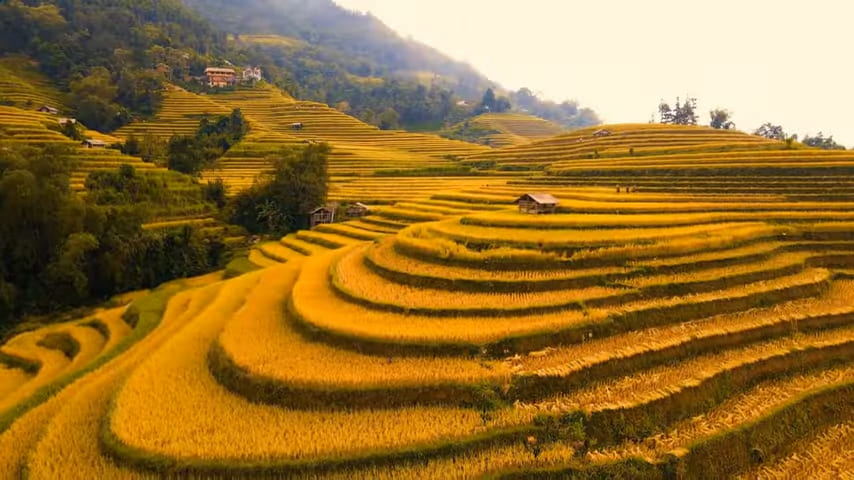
49, 109
296, 126
601, 133
320, 215
357, 209
93, 143
537, 203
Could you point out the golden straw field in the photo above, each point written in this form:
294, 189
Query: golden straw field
685, 312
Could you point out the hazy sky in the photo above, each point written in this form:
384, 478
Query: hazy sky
781, 61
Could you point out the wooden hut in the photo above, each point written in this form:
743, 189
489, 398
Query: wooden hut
357, 209
93, 143
48, 109
320, 215
537, 203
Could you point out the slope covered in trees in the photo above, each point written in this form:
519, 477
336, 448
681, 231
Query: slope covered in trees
362, 44
319, 51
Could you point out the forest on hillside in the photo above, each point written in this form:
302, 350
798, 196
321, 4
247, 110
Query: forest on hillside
110, 55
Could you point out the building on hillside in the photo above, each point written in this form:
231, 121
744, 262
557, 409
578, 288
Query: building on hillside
296, 126
321, 215
537, 203
217, 77
252, 74
48, 109
357, 209
93, 143
164, 69
601, 133
63, 121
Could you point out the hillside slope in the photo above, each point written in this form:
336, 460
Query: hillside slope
503, 129
367, 43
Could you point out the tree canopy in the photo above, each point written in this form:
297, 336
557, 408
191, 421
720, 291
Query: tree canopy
680, 114
281, 202
721, 119
59, 250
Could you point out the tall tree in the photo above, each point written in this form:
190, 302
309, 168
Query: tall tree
721, 119
681, 113
822, 142
282, 201
769, 130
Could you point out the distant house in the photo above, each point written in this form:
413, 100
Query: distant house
462, 103
220, 77
601, 133
164, 69
357, 209
93, 143
252, 74
537, 203
48, 109
296, 126
320, 215
65, 121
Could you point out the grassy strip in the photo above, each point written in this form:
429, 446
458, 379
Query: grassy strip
576, 333
239, 266
161, 464
539, 285
532, 387
445, 251
661, 315
629, 295
726, 453
100, 326
61, 341
13, 361
607, 427
143, 314
318, 239
262, 389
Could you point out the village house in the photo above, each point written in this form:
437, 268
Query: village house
48, 109
63, 121
220, 77
252, 74
321, 215
357, 209
537, 203
601, 133
93, 143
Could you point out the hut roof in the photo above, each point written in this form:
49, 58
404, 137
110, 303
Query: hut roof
541, 198
321, 209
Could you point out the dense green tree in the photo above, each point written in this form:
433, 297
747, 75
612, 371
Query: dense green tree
822, 142
185, 155
92, 99
680, 114
769, 130
58, 250
721, 119
191, 155
153, 150
282, 201
389, 119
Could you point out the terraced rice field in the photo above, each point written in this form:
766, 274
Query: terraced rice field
179, 115
513, 128
701, 326
24, 86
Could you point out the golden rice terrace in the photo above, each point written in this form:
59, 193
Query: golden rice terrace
686, 312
